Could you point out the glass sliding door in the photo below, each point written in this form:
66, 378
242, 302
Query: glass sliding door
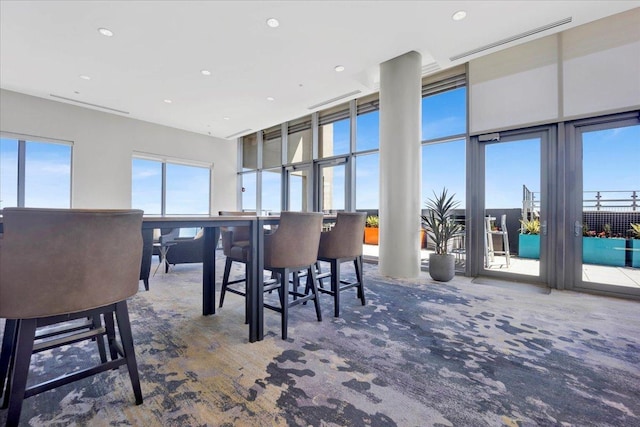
610, 206
332, 186
298, 188
513, 221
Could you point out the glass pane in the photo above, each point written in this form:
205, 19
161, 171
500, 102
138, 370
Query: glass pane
271, 191
249, 195
611, 204
333, 188
187, 191
444, 166
444, 114
298, 190
368, 131
299, 146
47, 175
512, 188
368, 182
250, 152
272, 153
8, 173
146, 186
334, 138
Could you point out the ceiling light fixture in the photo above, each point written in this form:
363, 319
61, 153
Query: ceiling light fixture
105, 32
168, 101
270, 98
85, 77
205, 72
339, 68
273, 23
459, 15
226, 118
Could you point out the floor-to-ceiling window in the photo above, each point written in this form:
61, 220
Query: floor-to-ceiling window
34, 173
367, 157
444, 127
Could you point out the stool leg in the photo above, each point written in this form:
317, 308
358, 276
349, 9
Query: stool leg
225, 279
95, 324
358, 266
284, 301
312, 279
111, 335
124, 326
20, 369
335, 286
8, 345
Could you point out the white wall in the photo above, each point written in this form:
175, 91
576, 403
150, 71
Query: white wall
587, 70
103, 145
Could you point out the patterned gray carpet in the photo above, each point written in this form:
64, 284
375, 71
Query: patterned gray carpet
420, 353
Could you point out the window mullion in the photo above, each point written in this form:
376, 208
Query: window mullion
22, 162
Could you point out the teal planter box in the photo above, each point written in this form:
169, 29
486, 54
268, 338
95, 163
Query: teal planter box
601, 251
529, 246
635, 252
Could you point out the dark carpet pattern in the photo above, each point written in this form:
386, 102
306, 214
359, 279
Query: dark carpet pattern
420, 353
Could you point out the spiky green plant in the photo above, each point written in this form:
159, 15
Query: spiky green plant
438, 221
530, 226
372, 221
635, 230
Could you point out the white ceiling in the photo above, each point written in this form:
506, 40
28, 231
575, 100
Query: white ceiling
159, 48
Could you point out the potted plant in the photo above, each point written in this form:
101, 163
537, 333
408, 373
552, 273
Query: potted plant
441, 227
634, 245
529, 239
371, 230
602, 248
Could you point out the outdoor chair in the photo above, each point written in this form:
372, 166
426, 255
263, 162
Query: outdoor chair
489, 249
293, 247
53, 270
342, 244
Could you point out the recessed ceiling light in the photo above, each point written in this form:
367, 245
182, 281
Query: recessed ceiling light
168, 101
85, 77
226, 118
459, 15
270, 98
339, 68
205, 72
273, 22
105, 32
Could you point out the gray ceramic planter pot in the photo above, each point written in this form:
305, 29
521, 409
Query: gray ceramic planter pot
442, 267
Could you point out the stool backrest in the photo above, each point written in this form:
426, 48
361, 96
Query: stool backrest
230, 235
295, 241
58, 261
344, 240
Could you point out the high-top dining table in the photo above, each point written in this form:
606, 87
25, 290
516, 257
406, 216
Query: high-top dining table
211, 226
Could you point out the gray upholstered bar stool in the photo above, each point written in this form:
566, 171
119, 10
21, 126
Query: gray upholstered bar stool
236, 247
57, 265
342, 244
293, 247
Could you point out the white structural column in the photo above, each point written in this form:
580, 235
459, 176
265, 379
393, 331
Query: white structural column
400, 115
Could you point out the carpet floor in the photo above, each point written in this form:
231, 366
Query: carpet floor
419, 353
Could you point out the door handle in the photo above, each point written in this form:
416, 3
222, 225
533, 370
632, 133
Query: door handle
544, 228
577, 229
